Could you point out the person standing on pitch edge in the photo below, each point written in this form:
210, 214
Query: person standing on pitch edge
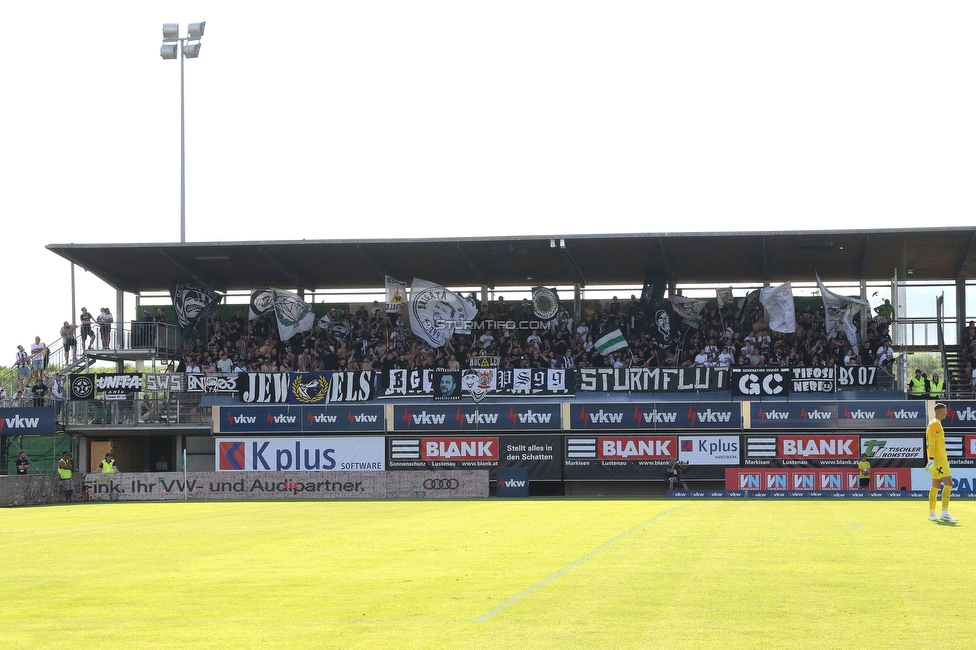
938, 465
864, 473
64, 473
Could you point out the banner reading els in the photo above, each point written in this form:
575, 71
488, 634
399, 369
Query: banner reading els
819, 447
637, 447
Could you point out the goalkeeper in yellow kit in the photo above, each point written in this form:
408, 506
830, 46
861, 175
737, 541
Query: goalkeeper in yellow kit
938, 464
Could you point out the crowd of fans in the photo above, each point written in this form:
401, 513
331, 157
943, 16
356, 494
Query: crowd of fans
370, 339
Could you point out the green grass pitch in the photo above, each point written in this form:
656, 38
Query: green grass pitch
499, 573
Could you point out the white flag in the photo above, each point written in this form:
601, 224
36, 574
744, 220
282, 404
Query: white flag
436, 312
778, 302
294, 314
689, 309
839, 313
396, 295
724, 297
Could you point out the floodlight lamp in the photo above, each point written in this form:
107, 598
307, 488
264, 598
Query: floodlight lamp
196, 29
191, 50
168, 51
171, 31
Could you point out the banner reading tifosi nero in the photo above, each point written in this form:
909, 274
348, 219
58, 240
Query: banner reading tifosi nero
541, 455
305, 387
653, 380
779, 382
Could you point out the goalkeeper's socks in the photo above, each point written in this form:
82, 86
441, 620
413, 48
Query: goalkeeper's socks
946, 489
933, 493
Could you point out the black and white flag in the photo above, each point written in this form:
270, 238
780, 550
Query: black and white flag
436, 312
192, 304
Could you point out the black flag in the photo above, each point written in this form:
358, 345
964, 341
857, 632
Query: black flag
192, 304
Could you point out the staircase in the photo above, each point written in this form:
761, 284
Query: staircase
958, 379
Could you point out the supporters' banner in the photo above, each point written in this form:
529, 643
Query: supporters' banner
396, 295
261, 303
81, 386
192, 304
780, 307
758, 382
540, 454
305, 387
223, 382
545, 302
474, 418
535, 381
857, 376
516, 382
839, 313
653, 380
611, 342
447, 384
689, 309
436, 312
406, 383
478, 382
294, 315
118, 386
343, 418
27, 421
813, 380
724, 297
166, 381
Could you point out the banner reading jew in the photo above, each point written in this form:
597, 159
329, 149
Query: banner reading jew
305, 387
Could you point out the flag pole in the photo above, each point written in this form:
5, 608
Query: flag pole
185, 489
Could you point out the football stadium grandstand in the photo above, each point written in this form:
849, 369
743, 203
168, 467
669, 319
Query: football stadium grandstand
564, 365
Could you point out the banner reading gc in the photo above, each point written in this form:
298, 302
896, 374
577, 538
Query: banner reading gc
306, 454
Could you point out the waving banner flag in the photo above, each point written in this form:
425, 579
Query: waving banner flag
545, 302
294, 314
779, 304
396, 295
436, 312
839, 313
261, 303
724, 297
611, 342
192, 304
689, 309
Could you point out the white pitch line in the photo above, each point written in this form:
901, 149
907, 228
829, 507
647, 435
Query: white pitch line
542, 583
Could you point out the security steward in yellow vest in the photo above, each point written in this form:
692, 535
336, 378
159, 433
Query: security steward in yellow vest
935, 386
916, 386
64, 473
107, 466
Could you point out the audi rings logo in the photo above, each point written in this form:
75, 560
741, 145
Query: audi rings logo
441, 484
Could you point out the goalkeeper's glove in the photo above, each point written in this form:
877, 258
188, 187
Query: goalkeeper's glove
928, 467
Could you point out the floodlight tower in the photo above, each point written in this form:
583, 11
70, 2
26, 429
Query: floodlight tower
190, 46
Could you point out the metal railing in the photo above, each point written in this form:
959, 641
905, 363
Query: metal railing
150, 410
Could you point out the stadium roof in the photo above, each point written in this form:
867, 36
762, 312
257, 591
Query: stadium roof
689, 258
